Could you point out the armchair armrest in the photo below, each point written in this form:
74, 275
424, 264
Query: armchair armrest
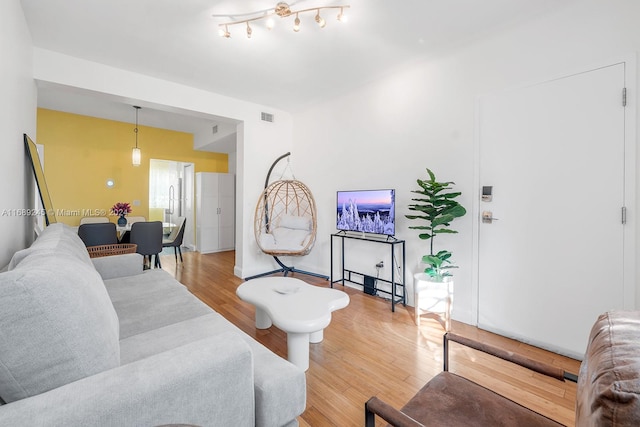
460, 393
375, 406
111, 267
207, 382
509, 356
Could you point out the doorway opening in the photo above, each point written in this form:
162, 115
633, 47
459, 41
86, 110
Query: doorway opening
171, 195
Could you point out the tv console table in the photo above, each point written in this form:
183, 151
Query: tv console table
396, 285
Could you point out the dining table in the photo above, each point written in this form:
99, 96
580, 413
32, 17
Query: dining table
125, 230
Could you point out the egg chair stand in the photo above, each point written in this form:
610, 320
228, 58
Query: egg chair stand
285, 222
286, 270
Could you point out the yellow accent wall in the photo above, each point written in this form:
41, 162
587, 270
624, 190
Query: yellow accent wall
81, 153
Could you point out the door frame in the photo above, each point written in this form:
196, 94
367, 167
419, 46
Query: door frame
188, 168
630, 273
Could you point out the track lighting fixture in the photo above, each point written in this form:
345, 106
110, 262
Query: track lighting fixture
283, 10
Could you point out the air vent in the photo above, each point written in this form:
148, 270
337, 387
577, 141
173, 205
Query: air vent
214, 129
267, 117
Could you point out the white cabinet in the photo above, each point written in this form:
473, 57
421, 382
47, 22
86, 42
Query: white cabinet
215, 212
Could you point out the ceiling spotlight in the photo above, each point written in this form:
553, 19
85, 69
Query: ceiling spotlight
296, 24
282, 10
341, 16
320, 20
224, 32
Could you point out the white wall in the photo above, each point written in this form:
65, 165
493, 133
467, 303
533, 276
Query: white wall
385, 134
17, 116
258, 141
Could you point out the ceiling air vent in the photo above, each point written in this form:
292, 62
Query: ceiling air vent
214, 129
267, 117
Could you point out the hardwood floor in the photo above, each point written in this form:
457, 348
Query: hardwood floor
368, 350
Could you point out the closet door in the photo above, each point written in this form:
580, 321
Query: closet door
554, 154
215, 212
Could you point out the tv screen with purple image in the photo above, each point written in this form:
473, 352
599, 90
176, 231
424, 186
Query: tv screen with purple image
367, 211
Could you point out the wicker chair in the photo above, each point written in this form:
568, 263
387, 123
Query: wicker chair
285, 222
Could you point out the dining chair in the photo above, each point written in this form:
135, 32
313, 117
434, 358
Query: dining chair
148, 237
93, 219
175, 238
134, 219
125, 236
95, 234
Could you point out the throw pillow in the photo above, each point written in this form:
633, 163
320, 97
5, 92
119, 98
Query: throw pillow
57, 325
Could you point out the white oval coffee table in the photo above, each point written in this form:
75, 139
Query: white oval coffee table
298, 308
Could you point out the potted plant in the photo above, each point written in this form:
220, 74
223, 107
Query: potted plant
437, 208
433, 289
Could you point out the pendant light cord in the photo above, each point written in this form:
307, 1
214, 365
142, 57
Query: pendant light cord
136, 128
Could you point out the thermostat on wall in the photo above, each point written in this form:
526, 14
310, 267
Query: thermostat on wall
487, 191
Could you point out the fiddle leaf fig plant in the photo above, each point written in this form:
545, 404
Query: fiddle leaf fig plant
437, 208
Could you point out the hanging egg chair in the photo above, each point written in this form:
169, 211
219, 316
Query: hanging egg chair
285, 221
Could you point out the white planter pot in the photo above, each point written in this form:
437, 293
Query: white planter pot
433, 297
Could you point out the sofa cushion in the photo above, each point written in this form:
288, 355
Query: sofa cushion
57, 324
290, 238
280, 386
151, 300
608, 391
56, 238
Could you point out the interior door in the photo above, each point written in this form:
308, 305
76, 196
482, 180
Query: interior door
554, 155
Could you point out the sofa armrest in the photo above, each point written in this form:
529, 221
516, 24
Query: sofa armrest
114, 266
207, 382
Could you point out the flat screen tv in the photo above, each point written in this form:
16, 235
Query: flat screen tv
366, 211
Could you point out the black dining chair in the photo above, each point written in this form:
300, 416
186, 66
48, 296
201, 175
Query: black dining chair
148, 237
175, 238
95, 234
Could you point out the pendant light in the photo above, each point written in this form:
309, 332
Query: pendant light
135, 154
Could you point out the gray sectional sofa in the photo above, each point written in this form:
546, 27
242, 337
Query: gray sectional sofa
101, 343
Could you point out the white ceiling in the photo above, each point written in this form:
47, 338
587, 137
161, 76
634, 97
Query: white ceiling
178, 40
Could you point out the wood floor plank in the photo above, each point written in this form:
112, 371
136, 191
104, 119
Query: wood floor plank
368, 350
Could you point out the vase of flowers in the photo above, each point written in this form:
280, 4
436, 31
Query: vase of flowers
121, 209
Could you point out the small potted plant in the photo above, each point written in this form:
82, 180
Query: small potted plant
121, 209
